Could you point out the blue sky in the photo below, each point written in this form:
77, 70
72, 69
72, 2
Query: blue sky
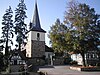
49, 10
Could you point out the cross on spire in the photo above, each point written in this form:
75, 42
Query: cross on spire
21, 0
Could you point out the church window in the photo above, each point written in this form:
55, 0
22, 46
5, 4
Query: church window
38, 36
27, 55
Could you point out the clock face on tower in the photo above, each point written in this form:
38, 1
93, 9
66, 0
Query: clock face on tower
38, 36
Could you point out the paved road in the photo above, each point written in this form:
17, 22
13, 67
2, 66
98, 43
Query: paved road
64, 70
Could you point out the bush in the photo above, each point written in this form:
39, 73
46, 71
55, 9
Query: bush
25, 73
41, 73
98, 64
67, 60
21, 68
73, 62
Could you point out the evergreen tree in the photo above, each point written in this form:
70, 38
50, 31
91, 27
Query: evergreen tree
20, 26
57, 36
85, 28
7, 29
7, 32
1, 61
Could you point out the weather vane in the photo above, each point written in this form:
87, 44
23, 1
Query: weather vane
21, 0
35, 1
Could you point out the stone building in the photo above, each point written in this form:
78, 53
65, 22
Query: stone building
35, 48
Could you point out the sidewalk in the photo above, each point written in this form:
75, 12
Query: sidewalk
64, 70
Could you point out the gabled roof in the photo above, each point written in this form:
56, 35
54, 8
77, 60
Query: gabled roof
35, 24
20, 53
48, 49
34, 28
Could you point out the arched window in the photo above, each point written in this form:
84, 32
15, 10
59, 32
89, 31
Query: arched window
38, 36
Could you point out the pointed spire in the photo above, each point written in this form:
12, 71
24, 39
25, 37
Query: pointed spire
36, 21
35, 1
35, 25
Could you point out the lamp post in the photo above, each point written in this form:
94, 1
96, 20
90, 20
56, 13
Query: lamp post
51, 60
51, 57
25, 67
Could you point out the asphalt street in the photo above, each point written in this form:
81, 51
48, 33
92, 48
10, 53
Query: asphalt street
64, 70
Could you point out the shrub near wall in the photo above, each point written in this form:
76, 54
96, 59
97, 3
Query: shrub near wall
58, 61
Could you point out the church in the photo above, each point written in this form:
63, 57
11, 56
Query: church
36, 50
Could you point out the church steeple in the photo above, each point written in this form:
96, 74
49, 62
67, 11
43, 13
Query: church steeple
36, 20
36, 26
35, 47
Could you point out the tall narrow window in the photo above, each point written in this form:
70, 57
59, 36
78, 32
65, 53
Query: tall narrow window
38, 36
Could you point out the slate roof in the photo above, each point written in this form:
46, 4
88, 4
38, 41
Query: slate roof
34, 28
35, 24
48, 49
20, 53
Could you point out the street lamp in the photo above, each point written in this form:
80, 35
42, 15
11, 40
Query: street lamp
51, 60
25, 67
51, 57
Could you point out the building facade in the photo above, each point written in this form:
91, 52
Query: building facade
35, 48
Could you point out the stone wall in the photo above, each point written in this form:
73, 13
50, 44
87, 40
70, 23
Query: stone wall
32, 73
58, 61
16, 68
36, 61
38, 48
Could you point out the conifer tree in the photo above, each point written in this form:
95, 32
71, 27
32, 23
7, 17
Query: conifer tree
7, 33
7, 29
20, 26
1, 61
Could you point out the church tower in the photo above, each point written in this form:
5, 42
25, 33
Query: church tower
35, 47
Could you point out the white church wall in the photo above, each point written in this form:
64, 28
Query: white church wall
29, 36
28, 46
34, 36
28, 49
